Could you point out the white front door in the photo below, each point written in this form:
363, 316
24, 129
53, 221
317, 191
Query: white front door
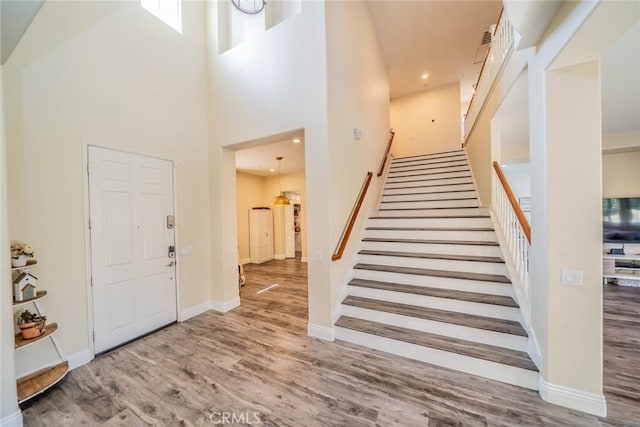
133, 275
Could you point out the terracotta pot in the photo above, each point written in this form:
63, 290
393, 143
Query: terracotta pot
32, 330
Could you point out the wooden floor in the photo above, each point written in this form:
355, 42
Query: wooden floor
257, 363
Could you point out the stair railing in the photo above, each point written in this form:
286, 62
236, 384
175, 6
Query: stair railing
501, 47
386, 153
346, 233
515, 229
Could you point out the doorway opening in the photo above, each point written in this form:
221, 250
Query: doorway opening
272, 236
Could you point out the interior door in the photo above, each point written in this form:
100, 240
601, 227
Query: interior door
133, 272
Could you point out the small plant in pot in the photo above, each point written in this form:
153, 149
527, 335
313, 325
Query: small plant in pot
31, 325
19, 253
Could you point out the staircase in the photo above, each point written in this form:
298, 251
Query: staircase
430, 283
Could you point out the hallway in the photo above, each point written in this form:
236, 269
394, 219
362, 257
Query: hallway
257, 360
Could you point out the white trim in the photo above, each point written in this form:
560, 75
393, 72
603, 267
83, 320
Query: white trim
591, 403
321, 332
87, 245
194, 311
245, 261
224, 306
280, 257
80, 358
12, 420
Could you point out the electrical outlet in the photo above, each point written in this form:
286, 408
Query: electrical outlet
571, 277
318, 256
357, 133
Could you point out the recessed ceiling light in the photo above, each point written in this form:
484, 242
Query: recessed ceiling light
272, 170
296, 140
425, 76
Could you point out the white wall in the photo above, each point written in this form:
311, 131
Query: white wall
271, 84
427, 122
287, 79
358, 97
9, 412
111, 74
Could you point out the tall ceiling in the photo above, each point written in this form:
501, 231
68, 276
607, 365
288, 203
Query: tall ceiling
440, 38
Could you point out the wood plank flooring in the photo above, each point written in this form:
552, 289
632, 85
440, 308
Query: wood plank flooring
257, 360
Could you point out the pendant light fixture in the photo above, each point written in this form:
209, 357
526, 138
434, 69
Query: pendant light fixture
280, 200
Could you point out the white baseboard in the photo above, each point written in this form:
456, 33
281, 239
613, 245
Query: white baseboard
245, 261
224, 306
194, 311
590, 403
280, 257
322, 332
13, 420
79, 358
303, 259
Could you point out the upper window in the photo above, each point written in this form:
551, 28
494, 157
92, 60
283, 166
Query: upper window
168, 11
251, 7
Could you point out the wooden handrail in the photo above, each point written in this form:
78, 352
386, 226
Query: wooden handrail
526, 228
486, 56
352, 219
386, 153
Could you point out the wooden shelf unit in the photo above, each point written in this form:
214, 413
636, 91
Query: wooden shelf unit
37, 382
39, 294
34, 384
50, 330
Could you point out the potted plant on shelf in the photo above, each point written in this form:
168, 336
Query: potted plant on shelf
19, 253
31, 325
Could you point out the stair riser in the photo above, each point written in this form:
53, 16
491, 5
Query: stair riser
436, 264
433, 248
431, 212
426, 165
443, 189
492, 370
420, 176
485, 236
427, 171
434, 196
431, 157
426, 183
457, 306
482, 336
471, 203
431, 222
482, 287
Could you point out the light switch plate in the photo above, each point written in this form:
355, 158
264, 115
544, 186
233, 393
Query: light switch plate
572, 277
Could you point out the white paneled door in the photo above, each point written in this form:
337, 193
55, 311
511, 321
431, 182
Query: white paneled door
133, 271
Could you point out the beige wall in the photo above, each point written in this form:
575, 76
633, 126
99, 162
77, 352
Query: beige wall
109, 74
290, 182
255, 191
249, 194
627, 140
427, 122
621, 174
